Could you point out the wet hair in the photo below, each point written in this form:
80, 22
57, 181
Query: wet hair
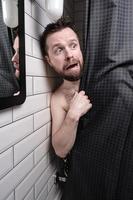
53, 28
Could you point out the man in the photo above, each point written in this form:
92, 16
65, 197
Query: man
61, 50
102, 155
15, 58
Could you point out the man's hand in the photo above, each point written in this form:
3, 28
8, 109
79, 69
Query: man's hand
79, 105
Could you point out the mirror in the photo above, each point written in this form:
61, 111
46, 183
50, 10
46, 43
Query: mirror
12, 53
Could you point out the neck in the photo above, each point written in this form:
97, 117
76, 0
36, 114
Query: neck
71, 85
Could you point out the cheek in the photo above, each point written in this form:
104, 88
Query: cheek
56, 61
80, 56
17, 58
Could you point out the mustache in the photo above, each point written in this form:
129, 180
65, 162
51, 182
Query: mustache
70, 63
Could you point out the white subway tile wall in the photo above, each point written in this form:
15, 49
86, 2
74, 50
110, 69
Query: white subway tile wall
6, 162
15, 176
5, 117
11, 196
30, 195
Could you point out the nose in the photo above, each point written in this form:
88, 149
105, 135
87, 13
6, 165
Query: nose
15, 57
68, 53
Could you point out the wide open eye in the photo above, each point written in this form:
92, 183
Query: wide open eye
58, 50
73, 45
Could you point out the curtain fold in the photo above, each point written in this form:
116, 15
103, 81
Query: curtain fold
102, 157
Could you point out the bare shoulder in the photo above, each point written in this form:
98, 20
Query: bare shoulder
58, 110
58, 98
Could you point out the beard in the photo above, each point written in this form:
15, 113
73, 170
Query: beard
71, 77
68, 73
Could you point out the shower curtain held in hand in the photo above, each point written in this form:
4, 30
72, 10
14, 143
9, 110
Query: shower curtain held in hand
102, 157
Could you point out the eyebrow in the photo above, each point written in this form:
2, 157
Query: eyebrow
58, 44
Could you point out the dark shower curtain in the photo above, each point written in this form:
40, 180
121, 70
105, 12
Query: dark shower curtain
102, 157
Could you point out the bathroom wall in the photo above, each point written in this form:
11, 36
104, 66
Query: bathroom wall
27, 165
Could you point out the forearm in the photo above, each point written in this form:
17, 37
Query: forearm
64, 138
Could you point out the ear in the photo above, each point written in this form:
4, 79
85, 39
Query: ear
47, 60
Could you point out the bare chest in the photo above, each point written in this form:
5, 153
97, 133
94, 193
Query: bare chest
67, 100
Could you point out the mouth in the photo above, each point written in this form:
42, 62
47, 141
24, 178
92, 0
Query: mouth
16, 66
73, 65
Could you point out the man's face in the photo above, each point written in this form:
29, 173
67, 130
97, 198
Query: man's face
64, 54
15, 58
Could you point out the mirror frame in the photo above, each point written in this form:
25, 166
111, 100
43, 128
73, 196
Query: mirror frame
7, 102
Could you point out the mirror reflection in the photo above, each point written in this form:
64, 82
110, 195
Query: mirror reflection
9, 59
12, 76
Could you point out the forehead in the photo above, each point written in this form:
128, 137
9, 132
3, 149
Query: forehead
64, 35
16, 43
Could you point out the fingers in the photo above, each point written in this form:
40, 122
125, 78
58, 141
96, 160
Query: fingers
80, 103
81, 95
90, 106
82, 92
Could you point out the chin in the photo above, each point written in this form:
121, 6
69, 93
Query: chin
17, 73
73, 78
